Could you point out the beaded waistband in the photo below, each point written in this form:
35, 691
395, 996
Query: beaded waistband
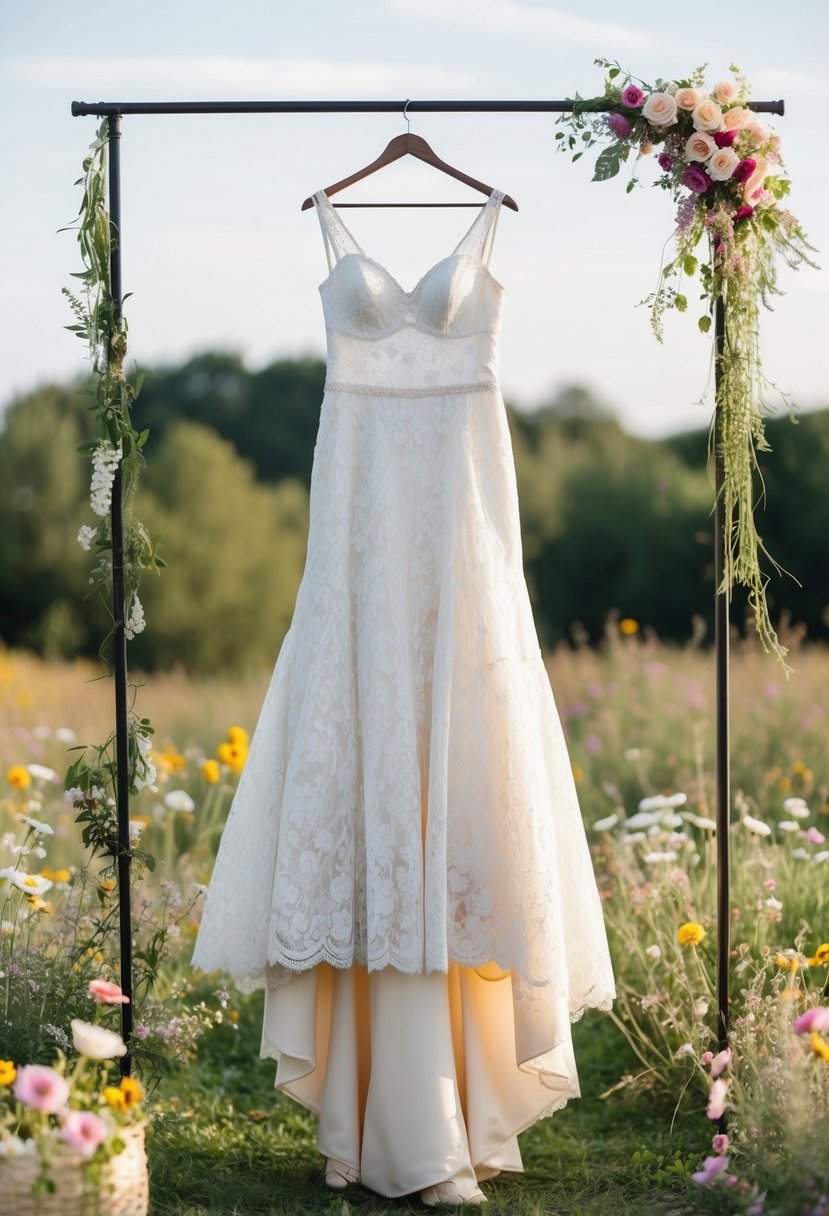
379, 390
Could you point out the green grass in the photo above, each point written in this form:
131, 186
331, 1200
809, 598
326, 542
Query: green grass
208, 1155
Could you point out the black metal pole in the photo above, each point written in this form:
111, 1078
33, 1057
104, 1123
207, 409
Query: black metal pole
120, 638
80, 108
721, 643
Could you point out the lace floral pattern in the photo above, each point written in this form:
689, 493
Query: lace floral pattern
408, 799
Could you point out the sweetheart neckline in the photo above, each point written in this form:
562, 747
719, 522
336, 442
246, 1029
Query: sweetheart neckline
409, 295
495, 196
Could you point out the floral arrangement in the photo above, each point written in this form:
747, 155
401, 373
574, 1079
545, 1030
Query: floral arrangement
44, 1106
723, 168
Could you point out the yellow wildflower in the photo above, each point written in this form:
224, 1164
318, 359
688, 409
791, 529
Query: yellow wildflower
210, 771
780, 960
819, 1045
821, 958
170, 761
578, 772
132, 1092
114, 1097
233, 1015
791, 994
690, 934
233, 755
7, 1072
799, 767
61, 875
19, 777
238, 734
106, 885
40, 905
784, 783
628, 626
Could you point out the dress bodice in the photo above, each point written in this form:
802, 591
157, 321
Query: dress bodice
442, 336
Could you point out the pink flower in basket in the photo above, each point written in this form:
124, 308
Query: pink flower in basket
41, 1087
83, 1130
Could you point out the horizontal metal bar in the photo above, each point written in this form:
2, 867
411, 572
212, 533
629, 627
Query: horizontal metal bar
81, 108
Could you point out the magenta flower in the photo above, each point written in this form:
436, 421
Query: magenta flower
744, 170
711, 1167
41, 1087
665, 161
83, 1130
720, 1143
724, 139
696, 179
619, 125
813, 1019
744, 213
632, 96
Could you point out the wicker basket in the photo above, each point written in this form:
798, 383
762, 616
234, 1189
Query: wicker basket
123, 1190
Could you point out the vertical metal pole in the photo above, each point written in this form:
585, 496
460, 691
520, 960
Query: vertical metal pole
721, 637
120, 637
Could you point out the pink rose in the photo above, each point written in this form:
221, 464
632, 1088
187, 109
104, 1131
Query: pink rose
724, 139
722, 164
632, 96
758, 130
660, 109
707, 115
83, 1130
700, 146
686, 99
696, 179
744, 213
107, 993
725, 91
736, 118
41, 1087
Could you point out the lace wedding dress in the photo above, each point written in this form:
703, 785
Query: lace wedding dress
407, 813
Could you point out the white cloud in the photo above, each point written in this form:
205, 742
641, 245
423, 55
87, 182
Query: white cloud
513, 17
772, 82
271, 78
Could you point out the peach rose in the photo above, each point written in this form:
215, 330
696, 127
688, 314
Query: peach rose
686, 99
707, 115
755, 182
725, 92
660, 109
722, 164
736, 118
700, 146
646, 148
758, 129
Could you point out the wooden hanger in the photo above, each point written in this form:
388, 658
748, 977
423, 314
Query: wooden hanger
412, 145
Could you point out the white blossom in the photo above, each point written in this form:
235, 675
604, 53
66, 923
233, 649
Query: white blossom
104, 463
604, 825
653, 858
86, 535
654, 952
788, 825
96, 1042
42, 829
74, 795
41, 771
136, 621
179, 800
687, 1049
32, 884
642, 819
65, 734
756, 825
145, 773
771, 902
662, 802
823, 855
796, 807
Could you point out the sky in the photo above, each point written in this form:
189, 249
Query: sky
218, 254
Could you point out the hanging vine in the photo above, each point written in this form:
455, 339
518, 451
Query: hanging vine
98, 323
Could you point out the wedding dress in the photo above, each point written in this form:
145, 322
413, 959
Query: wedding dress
404, 854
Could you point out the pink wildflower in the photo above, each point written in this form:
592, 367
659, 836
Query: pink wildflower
719, 1143
707, 1057
716, 1099
711, 1167
814, 835
816, 1018
720, 1061
107, 993
619, 125
41, 1087
83, 1130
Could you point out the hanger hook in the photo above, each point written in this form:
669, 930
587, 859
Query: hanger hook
405, 115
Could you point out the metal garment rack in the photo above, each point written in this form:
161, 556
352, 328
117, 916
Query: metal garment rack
113, 111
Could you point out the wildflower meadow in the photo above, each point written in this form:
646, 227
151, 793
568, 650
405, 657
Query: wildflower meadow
646, 1134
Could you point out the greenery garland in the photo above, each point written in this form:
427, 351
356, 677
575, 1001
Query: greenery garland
100, 324
722, 166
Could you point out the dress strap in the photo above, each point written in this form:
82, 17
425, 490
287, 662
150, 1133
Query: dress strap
482, 231
338, 240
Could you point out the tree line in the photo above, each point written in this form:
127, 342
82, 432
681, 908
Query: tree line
610, 522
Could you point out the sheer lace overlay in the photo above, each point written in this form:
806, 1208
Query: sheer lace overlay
408, 800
